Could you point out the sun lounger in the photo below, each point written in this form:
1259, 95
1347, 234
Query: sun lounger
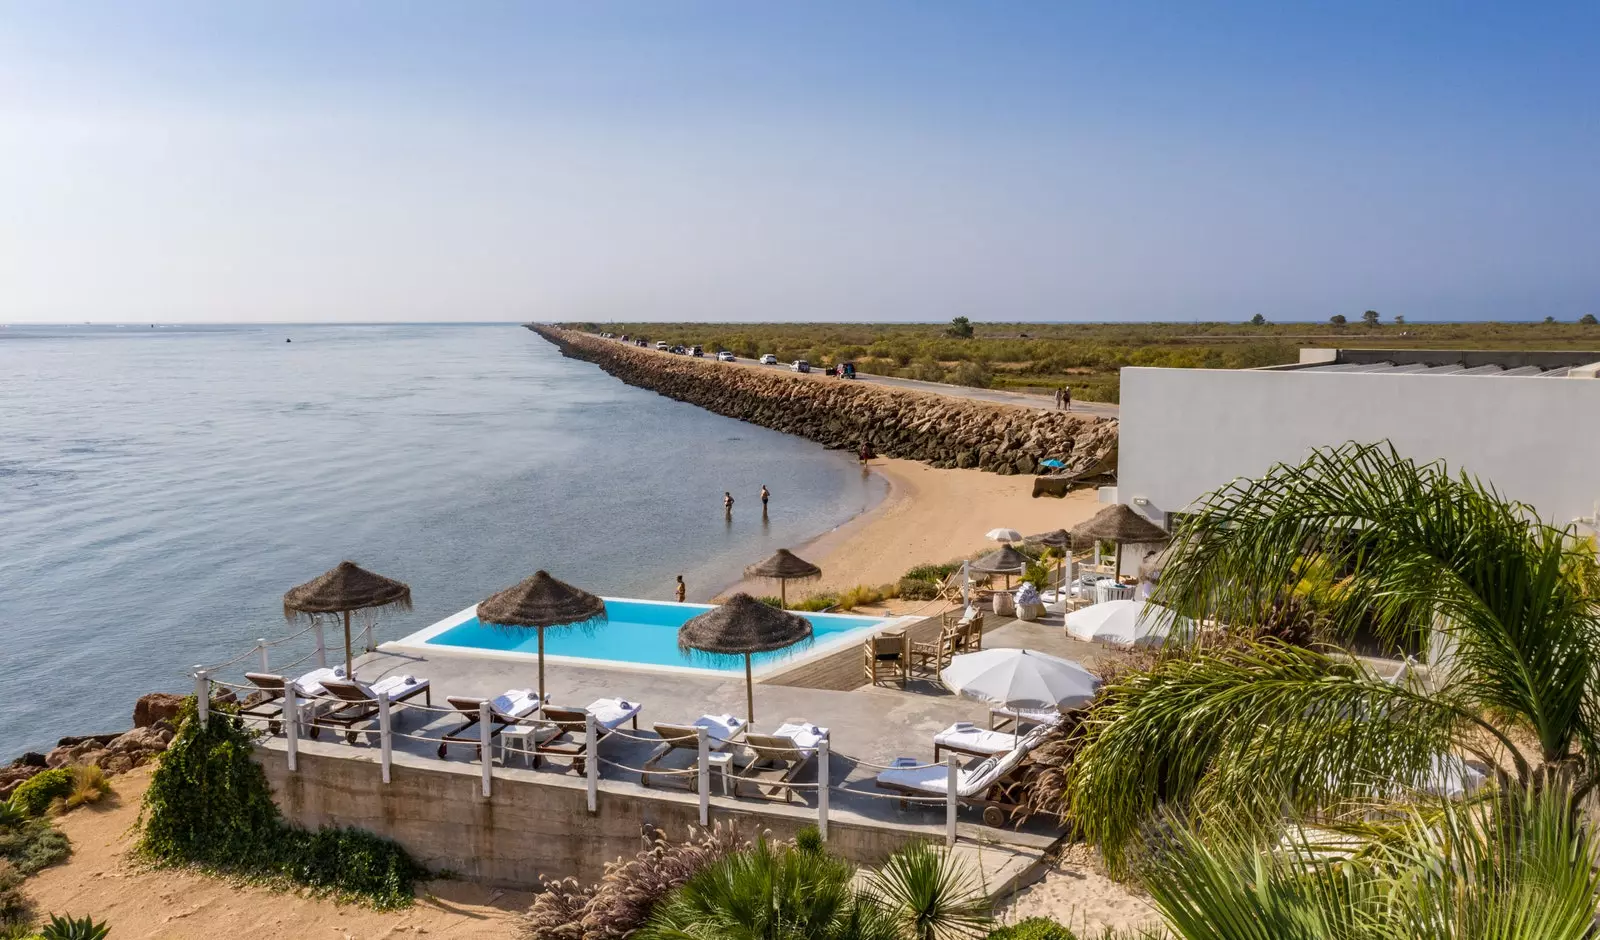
992, 783
721, 730
572, 727
358, 702
778, 759
273, 689
504, 710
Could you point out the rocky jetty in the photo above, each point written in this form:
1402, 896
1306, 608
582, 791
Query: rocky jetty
935, 429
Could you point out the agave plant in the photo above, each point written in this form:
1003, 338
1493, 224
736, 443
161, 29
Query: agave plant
1425, 558
1518, 868
69, 928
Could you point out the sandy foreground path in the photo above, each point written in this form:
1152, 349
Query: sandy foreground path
930, 516
138, 903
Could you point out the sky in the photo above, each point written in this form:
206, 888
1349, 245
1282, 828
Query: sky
365, 161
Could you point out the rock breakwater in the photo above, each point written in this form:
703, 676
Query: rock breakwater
934, 429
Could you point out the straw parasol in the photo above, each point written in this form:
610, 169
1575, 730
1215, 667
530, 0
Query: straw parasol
540, 603
1060, 538
1006, 560
740, 627
785, 566
1120, 524
345, 588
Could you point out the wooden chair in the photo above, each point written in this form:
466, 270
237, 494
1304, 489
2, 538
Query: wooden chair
887, 653
972, 637
939, 652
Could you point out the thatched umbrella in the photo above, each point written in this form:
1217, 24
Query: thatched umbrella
740, 627
785, 566
540, 603
345, 588
1119, 524
1007, 561
1060, 538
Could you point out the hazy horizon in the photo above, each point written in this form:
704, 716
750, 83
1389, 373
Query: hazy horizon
296, 162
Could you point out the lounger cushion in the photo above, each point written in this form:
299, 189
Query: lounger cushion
805, 736
515, 703
721, 728
935, 779
612, 713
310, 684
393, 687
969, 737
1039, 716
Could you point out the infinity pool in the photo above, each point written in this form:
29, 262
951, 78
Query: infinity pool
640, 632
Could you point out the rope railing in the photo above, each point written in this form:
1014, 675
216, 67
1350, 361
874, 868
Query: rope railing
293, 636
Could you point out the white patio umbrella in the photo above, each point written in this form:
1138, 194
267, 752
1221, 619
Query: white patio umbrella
1003, 535
1020, 679
1127, 623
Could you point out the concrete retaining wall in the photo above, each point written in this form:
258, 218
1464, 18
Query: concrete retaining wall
935, 429
534, 823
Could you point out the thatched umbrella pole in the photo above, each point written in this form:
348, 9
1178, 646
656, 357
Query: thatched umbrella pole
741, 627
539, 603
346, 588
783, 566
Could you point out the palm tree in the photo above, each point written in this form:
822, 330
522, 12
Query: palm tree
1427, 559
1506, 869
800, 892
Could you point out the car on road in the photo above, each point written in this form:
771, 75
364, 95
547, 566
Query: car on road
662, 346
800, 365
697, 351
769, 360
725, 356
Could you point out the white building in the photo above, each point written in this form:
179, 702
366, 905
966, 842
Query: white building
1526, 422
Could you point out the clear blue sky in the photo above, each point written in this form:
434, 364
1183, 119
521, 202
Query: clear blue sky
679, 160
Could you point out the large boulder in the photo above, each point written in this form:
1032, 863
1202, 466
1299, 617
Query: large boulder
157, 706
85, 752
13, 776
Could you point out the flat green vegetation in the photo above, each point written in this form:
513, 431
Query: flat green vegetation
1086, 356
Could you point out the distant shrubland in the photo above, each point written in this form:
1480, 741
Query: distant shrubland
1086, 356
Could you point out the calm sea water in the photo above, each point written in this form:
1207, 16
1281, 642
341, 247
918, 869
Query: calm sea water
161, 488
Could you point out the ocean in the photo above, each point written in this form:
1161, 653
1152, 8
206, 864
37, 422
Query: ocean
161, 487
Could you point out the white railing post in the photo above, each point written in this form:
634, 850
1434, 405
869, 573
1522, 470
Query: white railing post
591, 751
485, 743
261, 645
703, 769
322, 644
202, 695
366, 636
385, 741
822, 789
952, 799
291, 724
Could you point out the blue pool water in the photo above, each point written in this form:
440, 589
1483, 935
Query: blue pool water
635, 631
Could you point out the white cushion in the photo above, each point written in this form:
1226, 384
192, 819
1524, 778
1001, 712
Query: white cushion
805, 736
612, 713
391, 686
515, 703
720, 728
310, 684
969, 737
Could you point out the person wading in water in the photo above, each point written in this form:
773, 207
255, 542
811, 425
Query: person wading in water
683, 590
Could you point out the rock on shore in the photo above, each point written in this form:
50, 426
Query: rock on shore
934, 429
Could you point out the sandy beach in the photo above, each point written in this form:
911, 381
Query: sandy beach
929, 516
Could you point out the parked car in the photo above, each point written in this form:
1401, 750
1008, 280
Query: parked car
769, 360
726, 356
662, 346
845, 370
697, 351
800, 365
679, 350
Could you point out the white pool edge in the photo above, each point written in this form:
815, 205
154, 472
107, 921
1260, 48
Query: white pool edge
417, 644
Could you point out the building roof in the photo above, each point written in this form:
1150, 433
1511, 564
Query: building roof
1509, 363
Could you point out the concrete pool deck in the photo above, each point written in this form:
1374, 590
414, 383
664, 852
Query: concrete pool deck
868, 725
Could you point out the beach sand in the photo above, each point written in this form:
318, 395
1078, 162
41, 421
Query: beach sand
1076, 893
139, 903
929, 516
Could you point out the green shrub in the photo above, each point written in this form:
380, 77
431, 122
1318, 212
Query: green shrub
934, 573
67, 928
33, 844
771, 600
36, 793
816, 602
916, 589
16, 911
1033, 928
209, 805
808, 839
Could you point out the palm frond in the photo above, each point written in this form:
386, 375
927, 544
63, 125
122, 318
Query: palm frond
930, 893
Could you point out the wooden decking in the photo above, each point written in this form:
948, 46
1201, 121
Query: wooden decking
842, 671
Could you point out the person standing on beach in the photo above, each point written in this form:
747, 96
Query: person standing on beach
764, 497
683, 590
727, 502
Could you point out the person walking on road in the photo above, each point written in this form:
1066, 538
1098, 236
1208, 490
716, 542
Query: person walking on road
1066, 397
1058, 399
683, 590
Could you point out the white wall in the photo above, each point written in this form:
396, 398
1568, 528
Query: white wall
1185, 432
